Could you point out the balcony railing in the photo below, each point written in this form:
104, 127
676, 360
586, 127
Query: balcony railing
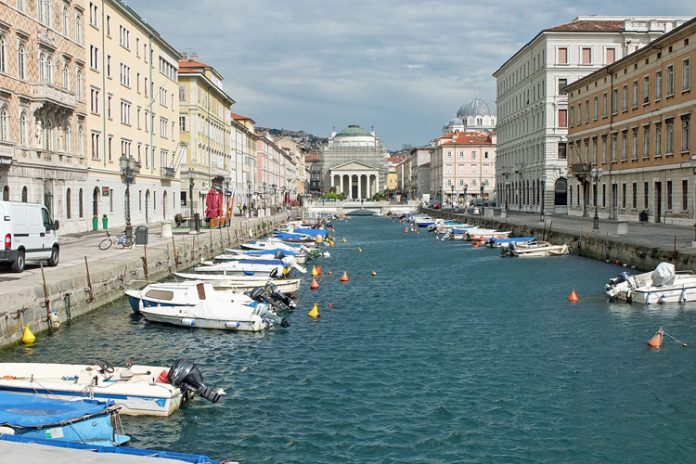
581, 169
47, 92
169, 172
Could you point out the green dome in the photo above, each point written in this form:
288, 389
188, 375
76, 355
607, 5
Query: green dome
353, 130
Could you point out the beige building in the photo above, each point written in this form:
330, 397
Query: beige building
42, 108
296, 173
132, 114
205, 127
244, 141
630, 143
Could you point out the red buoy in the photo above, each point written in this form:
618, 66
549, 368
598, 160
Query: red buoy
314, 285
656, 341
573, 297
344, 277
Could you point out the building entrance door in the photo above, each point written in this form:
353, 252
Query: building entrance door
658, 201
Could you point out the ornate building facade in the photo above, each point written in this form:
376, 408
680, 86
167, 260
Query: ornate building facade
354, 163
42, 108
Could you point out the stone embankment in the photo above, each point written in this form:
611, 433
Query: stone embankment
639, 248
85, 285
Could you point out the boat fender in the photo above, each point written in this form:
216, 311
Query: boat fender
189, 322
232, 325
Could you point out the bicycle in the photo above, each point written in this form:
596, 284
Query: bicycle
122, 239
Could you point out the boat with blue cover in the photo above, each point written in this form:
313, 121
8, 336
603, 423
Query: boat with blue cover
503, 242
23, 449
80, 421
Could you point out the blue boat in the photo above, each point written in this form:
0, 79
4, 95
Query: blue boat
310, 231
80, 421
28, 449
497, 242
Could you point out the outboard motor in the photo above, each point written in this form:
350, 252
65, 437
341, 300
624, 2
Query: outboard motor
257, 294
279, 254
185, 375
280, 296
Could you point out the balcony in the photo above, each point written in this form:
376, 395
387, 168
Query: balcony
581, 170
168, 172
49, 94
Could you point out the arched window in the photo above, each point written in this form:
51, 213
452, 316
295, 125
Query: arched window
68, 208
43, 76
65, 20
25, 195
3, 52
80, 205
78, 89
6, 193
49, 69
21, 60
23, 129
66, 76
4, 124
80, 141
20, 5
78, 28
67, 140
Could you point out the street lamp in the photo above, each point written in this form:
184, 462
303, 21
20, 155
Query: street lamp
227, 208
466, 201
452, 196
543, 197
248, 211
273, 196
127, 165
191, 177
692, 163
596, 174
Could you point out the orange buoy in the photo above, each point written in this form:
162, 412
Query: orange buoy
344, 277
573, 297
318, 270
656, 340
314, 272
314, 285
405, 230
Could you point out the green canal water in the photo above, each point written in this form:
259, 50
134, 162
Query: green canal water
449, 354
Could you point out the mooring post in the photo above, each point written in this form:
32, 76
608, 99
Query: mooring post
144, 258
90, 292
47, 300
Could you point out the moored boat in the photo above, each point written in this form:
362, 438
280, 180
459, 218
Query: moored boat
91, 422
662, 285
242, 282
535, 249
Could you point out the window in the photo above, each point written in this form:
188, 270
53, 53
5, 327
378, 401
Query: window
634, 143
604, 148
109, 147
182, 124
68, 209
43, 12
20, 5
80, 204
685, 195
669, 194
164, 131
586, 55
686, 75
669, 134
95, 145
25, 195
562, 151
658, 85
587, 111
562, 55
94, 100
562, 118
571, 120
623, 195
108, 25
108, 106
182, 93
646, 141
646, 89
614, 148
21, 59
23, 129
624, 144
3, 52
78, 89
125, 112
562, 84
669, 91
66, 76
125, 75
93, 57
64, 20
595, 110
609, 55
614, 101
634, 195
624, 99
93, 14
108, 65
4, 124
658, 139
635, 94
594, 150
685, 120
646, 193
78, 28
124, 37
604, 105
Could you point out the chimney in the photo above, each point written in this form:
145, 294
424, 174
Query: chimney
194, 56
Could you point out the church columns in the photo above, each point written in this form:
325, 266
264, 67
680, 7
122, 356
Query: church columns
360, 186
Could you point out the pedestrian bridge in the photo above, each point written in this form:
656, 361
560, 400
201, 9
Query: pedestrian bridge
360, 208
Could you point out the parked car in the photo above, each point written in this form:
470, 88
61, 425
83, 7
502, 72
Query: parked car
437, 205
28, 233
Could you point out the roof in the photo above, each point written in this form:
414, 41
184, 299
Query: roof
239, 117
353, 130
589, 26
189, 65
466, 138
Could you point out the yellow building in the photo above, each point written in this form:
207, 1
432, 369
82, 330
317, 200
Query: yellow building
132, 114
205, 127
42, 108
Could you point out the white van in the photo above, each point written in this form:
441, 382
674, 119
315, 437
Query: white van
28, 234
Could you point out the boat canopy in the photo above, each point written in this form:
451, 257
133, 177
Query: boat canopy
35, 411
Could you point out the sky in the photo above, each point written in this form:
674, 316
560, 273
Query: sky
403, 67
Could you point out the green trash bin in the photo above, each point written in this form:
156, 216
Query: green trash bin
141, 235
105, 222
95, 223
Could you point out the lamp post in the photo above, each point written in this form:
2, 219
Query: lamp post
543, 197
227, 201
596, 174
248, 211
452, 197
692, 163
466, 201
191, 177
127, 165
274, 201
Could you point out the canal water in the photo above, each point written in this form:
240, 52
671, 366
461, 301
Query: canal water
449, 354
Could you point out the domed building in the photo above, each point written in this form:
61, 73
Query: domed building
475, 116
354, 163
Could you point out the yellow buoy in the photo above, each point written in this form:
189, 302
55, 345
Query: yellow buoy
314, 272
28, 338
314, 312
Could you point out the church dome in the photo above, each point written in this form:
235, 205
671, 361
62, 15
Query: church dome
477, 107
455, 122
353, 130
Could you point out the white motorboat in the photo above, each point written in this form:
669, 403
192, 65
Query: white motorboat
479, 235
212, 309
663, 285
243, 282
535, 249
236, 268
139, 390
273, 253
252, 263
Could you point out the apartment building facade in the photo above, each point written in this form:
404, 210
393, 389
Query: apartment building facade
244, 140
132, 114
630, 138
532, 105
42, 108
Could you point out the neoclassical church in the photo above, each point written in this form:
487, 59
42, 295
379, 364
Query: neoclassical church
475, 116
354, 163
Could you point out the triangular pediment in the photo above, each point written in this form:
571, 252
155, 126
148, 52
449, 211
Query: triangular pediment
353, 166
